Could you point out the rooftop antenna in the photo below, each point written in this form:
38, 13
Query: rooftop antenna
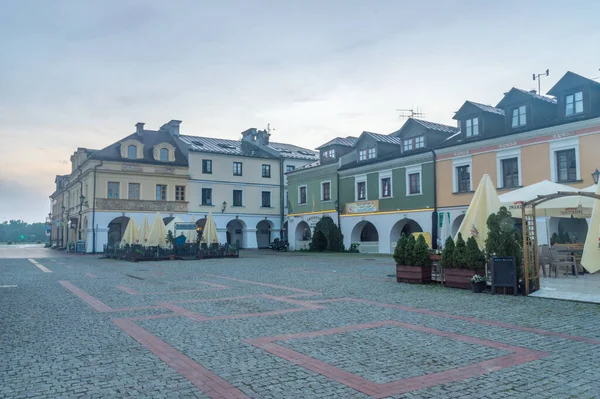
410, 113
270, 129
538, 76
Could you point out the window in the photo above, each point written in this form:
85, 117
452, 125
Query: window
414, 183
362, 155
237, 168
265, 199
207, 166
164, 154
566, 165
419, 142
463, 179
161, 192
386, 187
519, 116
371, 153
207, 196
329, 153
302, 195
132, 152
574, 103
510, 173
113, 189
361, 190
326, 191
237, 197
266, 171
472, 127
290, 168
179, 193
134, 191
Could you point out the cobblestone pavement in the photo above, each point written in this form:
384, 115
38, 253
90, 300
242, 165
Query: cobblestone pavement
272, 325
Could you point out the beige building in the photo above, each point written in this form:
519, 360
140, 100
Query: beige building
182, 176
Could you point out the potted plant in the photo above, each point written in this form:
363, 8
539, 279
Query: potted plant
478, 283
504, 240
459, 267
413, 264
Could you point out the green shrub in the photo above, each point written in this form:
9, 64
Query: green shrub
400, 250
447, 260
475, 256
460, 253
334, 240
319, 242
421, 253
410, 250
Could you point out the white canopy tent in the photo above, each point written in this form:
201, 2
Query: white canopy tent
512, 200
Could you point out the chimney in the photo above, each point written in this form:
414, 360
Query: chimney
139, 128
172, 127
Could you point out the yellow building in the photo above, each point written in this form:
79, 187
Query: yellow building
525, 139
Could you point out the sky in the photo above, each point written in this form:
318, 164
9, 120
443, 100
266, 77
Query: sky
82, 73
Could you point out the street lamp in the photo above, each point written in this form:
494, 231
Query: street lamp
596, 175
223, 206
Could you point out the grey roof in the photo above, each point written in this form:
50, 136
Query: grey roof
436, 126
384, 138
487, 108
236, 147
343, 141
550, 100
149, 138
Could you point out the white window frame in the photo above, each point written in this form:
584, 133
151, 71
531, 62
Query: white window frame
503, 155
140, 193
305, 189
373, 151
383, 175
360, 179
574, 104
323, 192
520, 123
462, 161
561, 145
263, 190
412, 170
417, 144
407, 145
360, 155
471, 133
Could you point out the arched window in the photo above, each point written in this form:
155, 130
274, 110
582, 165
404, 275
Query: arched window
164, 154
132, 152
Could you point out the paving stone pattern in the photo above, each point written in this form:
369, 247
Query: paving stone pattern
272, 325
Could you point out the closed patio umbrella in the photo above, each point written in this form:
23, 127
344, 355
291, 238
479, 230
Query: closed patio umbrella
191, 235
144, 231
158, 233
485, 202
209, 235
132, 232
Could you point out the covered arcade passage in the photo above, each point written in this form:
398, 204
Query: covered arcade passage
365, 234
263, 233
235, 233
116, 228
406, 226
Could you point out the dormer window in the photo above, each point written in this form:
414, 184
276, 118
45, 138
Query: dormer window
408, 145
132, 152
329, 153
472, 127
519, 116
362, 155
164, 154
574, 103
419, 142
371, 153
413, 143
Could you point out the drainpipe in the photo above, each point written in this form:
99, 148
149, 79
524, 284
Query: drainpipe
338, 209
94, 210
434, 215
281, 198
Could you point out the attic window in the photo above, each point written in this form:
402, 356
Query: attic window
131, 151
574, 103
472, 127
228, 146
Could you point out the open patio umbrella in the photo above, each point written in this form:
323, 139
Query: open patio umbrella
158, 233
512, 200
485, 202
131, 233
591, 249
209, 235
576, 206
144, 231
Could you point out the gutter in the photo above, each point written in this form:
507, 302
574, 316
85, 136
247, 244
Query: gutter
94, 210
434, 215
281, 198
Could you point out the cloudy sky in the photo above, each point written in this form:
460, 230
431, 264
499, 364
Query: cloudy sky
82, 73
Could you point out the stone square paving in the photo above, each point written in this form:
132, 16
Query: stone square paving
274, 325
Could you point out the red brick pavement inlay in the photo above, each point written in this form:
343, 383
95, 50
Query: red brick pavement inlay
212, 287
517, 356
205, 380
265, 284
465, 318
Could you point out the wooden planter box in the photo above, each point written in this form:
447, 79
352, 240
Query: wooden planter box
413, 274
435, 257
460, 278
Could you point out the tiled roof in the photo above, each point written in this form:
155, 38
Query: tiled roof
436, 126
236, 147
344, 141
487, 108
550, 100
